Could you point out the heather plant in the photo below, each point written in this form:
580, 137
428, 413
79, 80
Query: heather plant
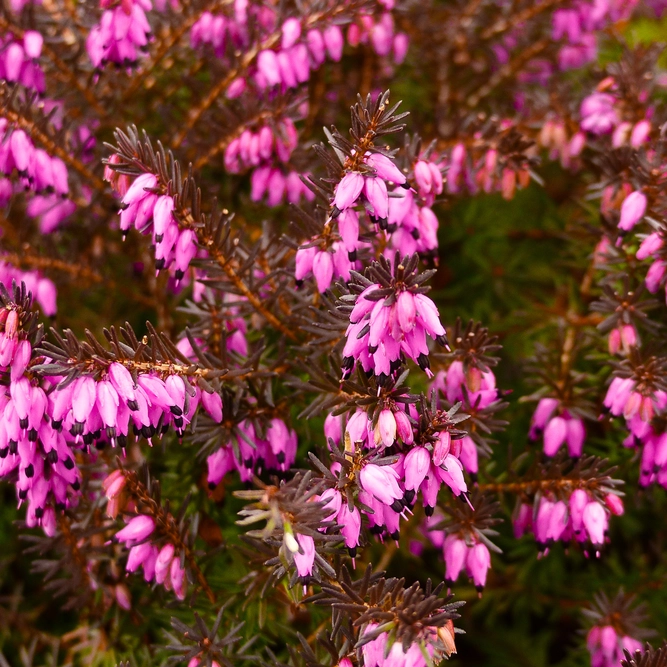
332, 333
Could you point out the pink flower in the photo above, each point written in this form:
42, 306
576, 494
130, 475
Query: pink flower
163, 563
385, 431
650, 245
350, 521
323, 270
598, 113
268, 67
348, 190
212, 403
576, 434
595, 522
541, 416
304, 561
375, 190
554, 435
478, 562
417, 464
333, 40
632, 210
381, 482
455, 552
291, 32
373, 651
404, 427
385, 168
138, 529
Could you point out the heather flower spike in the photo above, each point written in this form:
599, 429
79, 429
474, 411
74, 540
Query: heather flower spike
391, 317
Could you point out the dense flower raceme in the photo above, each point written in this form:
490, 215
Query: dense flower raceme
303, 46
261, 150
148, 211
44, 425
121, 35
26, 167
390, 321
31, 452
36, 169
639, 399
476, 391
251, 149
577, 27
249, 453
161, 564
580, 515
19, 60
386, 466
603, 119
377, 198
484, 168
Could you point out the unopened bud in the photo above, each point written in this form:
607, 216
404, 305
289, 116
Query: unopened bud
446, 636
11, 324
290, 541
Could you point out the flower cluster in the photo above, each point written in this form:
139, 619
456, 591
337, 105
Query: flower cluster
18, 60
435, 644
390, 321
607, 646
380, 32
34, 454
638, 395
475, 558
42, 288
250, 453
583, 517
37, 170
579, 25
558, 426
615, 629
387, 462
162, 564
259, 150
122, 33
476, 390
45, 423
148, 211
303, 47
250, 148
487, 169
332, 256
29, 168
